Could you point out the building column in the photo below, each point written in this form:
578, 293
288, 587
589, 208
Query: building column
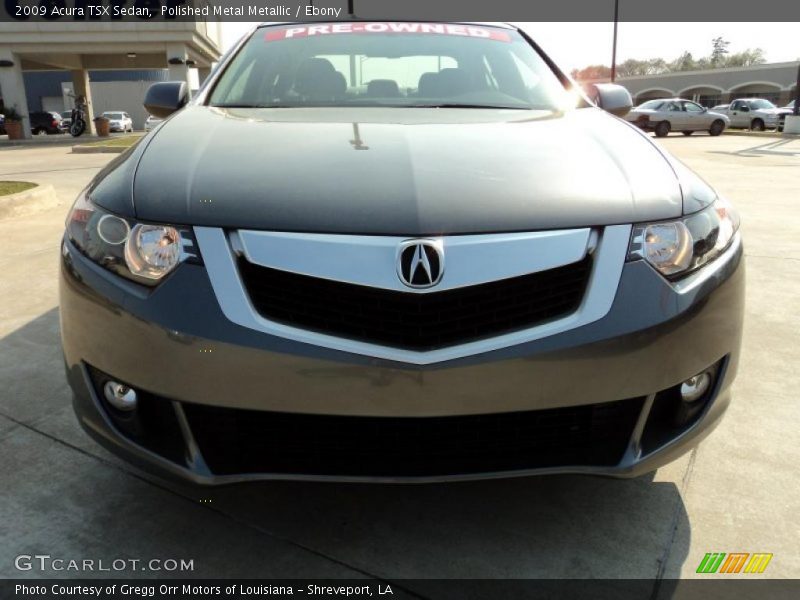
202, 74
82, 87
12, 88
178, 71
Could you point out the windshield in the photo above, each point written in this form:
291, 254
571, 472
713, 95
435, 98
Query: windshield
756, 104
389, 64
113, 115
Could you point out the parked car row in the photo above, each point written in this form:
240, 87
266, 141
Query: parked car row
677, 114
52, 123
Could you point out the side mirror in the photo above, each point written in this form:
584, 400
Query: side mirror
164, 98
611, 98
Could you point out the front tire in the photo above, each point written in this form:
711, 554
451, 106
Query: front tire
663, 129
757, 125
77, 128
716, 128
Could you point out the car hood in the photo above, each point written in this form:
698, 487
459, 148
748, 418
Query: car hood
402, 171
768, 111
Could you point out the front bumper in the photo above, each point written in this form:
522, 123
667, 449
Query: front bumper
198, 369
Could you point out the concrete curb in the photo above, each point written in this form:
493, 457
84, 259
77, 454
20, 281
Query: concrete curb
89, 149
761, 134
30, 201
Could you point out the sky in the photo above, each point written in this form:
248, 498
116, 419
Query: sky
577, 45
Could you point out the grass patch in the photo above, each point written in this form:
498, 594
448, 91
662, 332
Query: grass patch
14, 187
118, 142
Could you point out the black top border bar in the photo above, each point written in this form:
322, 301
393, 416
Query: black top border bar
711, 11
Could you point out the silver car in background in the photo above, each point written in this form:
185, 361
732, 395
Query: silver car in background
119, 121
151, 123
676, 114
755, 114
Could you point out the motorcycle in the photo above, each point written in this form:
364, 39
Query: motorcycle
78, 124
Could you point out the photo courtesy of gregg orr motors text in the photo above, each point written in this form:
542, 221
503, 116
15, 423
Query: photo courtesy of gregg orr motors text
191, 590
48, 563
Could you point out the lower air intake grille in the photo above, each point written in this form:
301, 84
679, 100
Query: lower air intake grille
234, 441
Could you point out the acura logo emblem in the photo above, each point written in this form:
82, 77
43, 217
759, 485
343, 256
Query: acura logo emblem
420, 263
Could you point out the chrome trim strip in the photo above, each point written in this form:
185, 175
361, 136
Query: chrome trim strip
220, 261
372, 260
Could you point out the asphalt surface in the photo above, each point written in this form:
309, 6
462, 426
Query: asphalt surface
62, 495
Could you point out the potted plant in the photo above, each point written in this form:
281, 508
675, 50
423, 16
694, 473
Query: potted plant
102, 125
13, 123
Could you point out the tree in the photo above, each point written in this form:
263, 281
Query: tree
592, 72
720, 49
746, 58
685, 62
720, 57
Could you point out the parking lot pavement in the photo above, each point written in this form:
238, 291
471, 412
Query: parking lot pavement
63, 495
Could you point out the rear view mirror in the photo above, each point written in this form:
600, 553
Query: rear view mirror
164, 98
611, 98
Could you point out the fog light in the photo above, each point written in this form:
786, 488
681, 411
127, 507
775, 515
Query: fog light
695, 387
120, 396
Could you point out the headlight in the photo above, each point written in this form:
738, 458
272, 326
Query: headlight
676, 248
142, 252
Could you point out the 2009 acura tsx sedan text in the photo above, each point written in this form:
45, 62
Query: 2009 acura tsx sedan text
398, 252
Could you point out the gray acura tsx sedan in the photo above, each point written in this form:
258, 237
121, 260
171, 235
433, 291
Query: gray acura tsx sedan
396, 251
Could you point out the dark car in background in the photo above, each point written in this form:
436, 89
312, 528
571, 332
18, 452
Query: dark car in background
398, 252
45, 123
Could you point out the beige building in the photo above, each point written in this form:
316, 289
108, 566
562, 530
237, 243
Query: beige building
79, 47
776, 82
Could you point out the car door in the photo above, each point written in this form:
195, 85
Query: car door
675, 115
695, 115
739, 113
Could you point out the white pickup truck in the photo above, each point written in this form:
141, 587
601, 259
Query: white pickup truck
756, 114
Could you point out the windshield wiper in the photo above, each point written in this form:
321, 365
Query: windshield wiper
251, 106
454, 105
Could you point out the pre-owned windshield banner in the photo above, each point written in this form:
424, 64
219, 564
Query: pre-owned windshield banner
426, 10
